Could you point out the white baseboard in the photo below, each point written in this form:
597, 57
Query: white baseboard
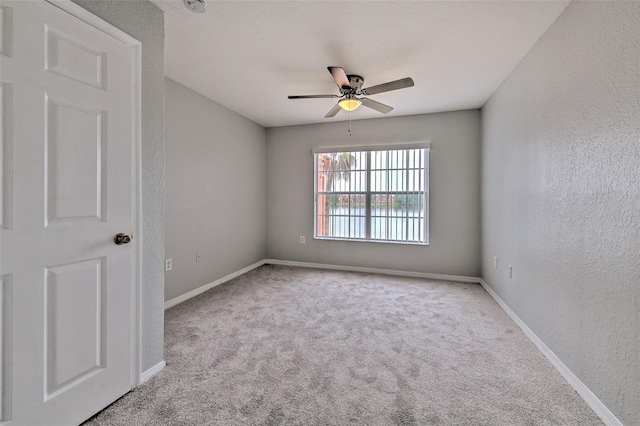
458, 278
593, 401
183, 297
152, 371
177, 300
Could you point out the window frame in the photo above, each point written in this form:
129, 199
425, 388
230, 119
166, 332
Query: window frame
368, 192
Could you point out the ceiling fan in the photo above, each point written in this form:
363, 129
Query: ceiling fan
353, 95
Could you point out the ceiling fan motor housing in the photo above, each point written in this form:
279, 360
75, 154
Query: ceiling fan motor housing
356, 82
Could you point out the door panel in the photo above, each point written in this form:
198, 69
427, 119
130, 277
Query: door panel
70, 57
76, 330
75, 189
67, 174
5, 347
6, 30
6, 108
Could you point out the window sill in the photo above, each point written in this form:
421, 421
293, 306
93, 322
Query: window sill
404, 243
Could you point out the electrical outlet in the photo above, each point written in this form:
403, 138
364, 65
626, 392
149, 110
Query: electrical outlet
510, 271
495, 262
198, 256
168, 265
303, 240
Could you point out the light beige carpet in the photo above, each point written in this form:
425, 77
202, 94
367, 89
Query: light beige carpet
296, 346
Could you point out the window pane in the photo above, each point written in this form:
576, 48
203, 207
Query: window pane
393, 210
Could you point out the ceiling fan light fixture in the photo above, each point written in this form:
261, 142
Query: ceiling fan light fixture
350, 104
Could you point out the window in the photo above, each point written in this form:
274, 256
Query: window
372, 194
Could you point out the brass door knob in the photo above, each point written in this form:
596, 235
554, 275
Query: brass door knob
122, 239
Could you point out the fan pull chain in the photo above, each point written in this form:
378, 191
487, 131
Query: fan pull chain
349, 123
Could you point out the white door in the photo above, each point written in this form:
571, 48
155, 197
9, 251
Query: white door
66, 297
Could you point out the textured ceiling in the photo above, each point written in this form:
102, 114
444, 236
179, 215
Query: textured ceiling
249, 55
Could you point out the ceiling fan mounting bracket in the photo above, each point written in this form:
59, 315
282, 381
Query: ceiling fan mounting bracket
355, 81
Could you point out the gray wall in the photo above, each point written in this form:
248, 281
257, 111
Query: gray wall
145, 22
454, 193
215, 190
561, 196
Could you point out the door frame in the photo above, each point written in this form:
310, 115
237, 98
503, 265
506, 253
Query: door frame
136, 177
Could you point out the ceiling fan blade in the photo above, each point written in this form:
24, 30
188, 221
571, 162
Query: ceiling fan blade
370, 103
386, 87
340, 77
313, 96
333, 111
